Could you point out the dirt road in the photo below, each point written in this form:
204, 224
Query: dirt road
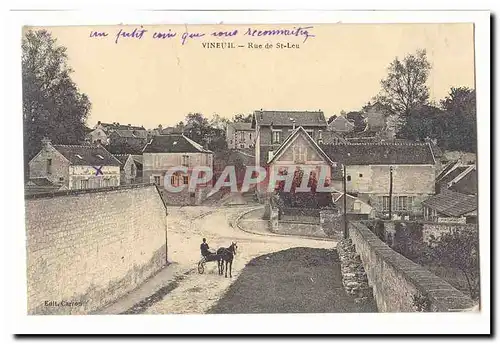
187, 226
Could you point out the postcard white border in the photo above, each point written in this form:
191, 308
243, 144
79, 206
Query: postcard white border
383, 323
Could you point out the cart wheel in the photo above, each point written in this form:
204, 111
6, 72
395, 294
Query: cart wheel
201, 267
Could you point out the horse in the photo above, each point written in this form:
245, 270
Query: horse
226, 254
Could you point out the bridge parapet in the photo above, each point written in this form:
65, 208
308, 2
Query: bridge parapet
400, 285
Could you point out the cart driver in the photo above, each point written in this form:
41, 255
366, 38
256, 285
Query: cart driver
205, 250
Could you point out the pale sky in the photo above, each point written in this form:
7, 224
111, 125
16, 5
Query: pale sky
148, 82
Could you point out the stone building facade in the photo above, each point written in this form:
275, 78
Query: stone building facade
368, 174
240, 135
165, 152
76, 166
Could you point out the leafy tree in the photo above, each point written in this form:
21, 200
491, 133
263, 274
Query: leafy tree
242, 118
197, 128
404, 88
358, 119
200, 129
53, 107
460, 250
218, 122
459, 131
424, 121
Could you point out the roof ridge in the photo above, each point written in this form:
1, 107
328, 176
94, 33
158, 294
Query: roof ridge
82, 146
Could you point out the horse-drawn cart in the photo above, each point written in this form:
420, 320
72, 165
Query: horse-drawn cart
206, 259
223, 255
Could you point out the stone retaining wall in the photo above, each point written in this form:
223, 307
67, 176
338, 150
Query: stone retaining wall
86, 248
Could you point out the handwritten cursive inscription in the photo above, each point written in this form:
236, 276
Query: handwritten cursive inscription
164, 35
136, 34
140, 33
300, 31
186, 35
98, 34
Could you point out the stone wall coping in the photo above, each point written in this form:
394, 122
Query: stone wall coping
429, 222
86, 191
422, 279
76, 192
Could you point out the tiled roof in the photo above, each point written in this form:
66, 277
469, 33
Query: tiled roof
465, 182
452, 203
330, 137
122, 157
40, 182
446, 168
452, 175
287, 118
87, 155
174, 143
117, 126
380, 154
138, 159
171, 130
342, 119
131, 145
242, 126
132, 133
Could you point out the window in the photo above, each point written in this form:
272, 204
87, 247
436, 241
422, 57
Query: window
357, 206
242, 135
185, 160
299, 153
348, 178
361, 175
84, 184
242, 145
49, 166
399, 203
173, 181
185, 180
385, 203
250, 136
157, 180
403, 203
276, 136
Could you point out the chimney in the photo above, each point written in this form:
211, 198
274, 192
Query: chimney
129, 126
98, 122
46, 143
160, 127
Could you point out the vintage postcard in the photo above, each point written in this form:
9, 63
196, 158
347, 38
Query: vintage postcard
251, 169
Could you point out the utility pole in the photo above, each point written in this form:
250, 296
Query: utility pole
345, 201
390, 193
